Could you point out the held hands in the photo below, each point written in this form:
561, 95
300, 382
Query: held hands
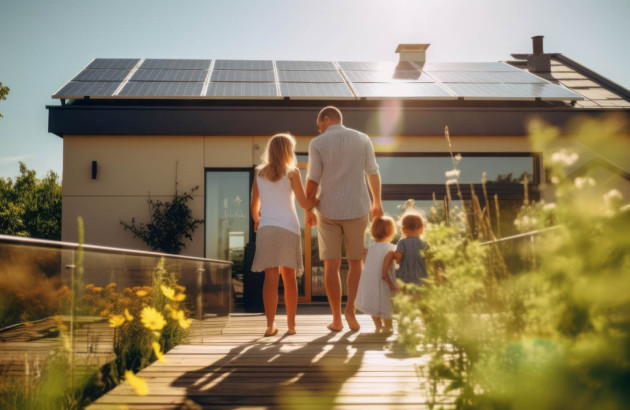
256, 225
310, 218
377, 210
311, 202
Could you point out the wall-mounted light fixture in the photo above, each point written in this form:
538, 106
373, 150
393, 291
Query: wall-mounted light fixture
94, 169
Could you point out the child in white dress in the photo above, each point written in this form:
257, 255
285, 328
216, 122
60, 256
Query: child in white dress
376, 286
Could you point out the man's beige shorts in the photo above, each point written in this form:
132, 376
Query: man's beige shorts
330, 233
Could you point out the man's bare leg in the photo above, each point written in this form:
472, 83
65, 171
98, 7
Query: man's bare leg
354, 274
332, 282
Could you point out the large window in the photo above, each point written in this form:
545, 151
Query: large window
227, 219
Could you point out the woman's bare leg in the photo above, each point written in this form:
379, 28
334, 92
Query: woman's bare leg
290, 296
270, 299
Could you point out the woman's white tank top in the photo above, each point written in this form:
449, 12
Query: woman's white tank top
277, 204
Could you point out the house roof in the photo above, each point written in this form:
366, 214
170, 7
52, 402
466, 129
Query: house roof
309, 80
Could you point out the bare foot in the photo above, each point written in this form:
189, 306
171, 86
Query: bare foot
377, 329
352, 321
334, 327
291, 331
271, 331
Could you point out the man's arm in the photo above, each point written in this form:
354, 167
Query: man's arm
311, 191
374, 181
312, 180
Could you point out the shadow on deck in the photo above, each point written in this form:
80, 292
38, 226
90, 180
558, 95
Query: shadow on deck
235, 367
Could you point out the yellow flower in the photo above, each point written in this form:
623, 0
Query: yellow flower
139, 384
183, 322
158, 352
128, 315
152, 319
142, 293
97, 289
116, 320
170, 294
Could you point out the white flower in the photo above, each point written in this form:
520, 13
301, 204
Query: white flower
458, 157
612, 196
484, 177
451, 181
555, 180
582, 182
453, 173
564, 157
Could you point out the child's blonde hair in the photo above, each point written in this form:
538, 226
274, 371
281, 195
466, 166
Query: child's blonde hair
383, 227
278, 159
411, 221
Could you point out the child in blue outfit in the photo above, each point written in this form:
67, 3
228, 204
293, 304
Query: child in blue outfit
407, 254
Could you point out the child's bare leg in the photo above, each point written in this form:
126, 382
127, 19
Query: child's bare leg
388, 325
270, 299
290, 296
377, 323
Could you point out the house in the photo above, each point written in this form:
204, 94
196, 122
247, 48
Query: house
140, 128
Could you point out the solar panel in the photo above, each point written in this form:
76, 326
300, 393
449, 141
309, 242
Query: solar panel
80, 89
102, 75
114, 63
387, 76
310, 77
242, 90
306, 65
171, 64
243, 65
316, 90
161, 89
512, 91
487, 77
482, 66
401, 90
368, 66
242, 76
170, 75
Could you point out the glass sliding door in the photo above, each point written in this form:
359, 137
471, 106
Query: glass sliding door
227, 219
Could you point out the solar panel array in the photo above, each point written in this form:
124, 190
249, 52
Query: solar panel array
330, 80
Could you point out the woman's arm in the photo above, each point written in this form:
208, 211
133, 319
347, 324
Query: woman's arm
389, 257
296, 184
254, 206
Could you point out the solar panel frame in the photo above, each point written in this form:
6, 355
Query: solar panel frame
161, 89
387, 76
81, 89
464, 67
290, 65
285, 76
113, 63
367, 65
401, 90
169, 75
102, 74
241, 90
243, 65
511, 92
175, 64
245, 76
488, 77
316, 91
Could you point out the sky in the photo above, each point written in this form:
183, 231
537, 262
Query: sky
44, 43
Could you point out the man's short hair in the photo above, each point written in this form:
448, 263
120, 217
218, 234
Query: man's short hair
331, 112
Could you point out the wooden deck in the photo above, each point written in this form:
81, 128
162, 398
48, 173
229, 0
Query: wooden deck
235, 367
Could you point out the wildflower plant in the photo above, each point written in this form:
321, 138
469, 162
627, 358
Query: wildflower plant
553, 333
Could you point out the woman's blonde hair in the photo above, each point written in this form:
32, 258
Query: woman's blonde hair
278, 159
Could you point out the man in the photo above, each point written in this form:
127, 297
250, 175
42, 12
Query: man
338, 161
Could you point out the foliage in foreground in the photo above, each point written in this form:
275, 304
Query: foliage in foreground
30, 206
554, 335
171, 222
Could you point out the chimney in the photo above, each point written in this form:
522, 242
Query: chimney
538, 62
412, 52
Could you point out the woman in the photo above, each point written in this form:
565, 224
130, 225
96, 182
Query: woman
278, 242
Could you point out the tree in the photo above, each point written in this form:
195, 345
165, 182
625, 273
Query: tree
30, 206
170, 223
4, 91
